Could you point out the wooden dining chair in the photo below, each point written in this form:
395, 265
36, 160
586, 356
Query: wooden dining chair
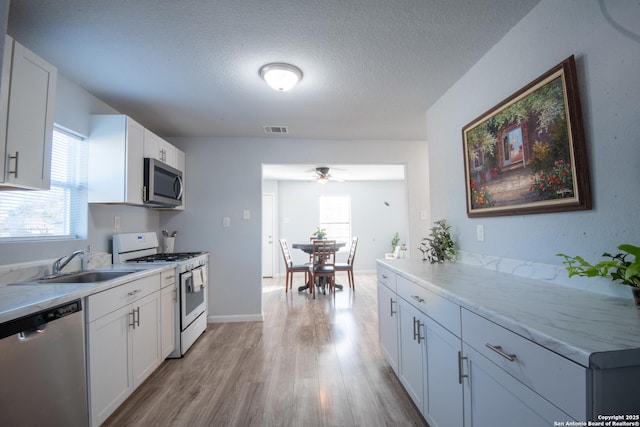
290, 267
323, 266
348, 266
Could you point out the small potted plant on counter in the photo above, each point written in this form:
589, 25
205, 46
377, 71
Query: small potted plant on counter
623, 267
438, 247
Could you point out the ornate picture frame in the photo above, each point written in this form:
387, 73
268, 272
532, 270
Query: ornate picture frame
527, 154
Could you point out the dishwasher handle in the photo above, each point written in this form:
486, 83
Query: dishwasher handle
33, 325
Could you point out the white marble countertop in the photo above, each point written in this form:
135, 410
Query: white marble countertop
21, 300
591, 329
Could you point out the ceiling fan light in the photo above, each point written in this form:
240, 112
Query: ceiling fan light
322, 180
281, 77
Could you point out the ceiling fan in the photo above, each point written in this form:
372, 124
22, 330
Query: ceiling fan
323, 176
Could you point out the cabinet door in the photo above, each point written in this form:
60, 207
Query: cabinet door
494, 398
167, 322
412, 351
134, 173
146, 337
116, 166
388, 324
110, 381
30, 120
159, 149
443, 407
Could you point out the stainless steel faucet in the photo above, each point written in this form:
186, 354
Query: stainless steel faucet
58, 266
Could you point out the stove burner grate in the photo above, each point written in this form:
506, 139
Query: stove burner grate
178, 256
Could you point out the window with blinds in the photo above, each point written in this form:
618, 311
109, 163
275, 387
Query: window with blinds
56, 213
335, 217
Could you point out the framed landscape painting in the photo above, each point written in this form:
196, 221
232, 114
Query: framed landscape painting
527, 154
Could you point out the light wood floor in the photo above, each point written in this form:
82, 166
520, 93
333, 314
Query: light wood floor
310, 363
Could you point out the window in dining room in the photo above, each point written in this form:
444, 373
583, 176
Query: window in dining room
335, 217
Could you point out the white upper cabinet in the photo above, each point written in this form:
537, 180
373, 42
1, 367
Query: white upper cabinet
116, 160
27, 99
159, 149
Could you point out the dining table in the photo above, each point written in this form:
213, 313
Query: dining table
307, 247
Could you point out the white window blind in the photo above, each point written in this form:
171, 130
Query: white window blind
56, 213
335, 217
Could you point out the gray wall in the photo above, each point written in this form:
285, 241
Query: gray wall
608, 65
373, 222
225, 177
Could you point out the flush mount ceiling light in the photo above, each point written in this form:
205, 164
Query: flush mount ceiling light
281, 77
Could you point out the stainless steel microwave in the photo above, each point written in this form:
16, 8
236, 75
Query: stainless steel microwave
163, 185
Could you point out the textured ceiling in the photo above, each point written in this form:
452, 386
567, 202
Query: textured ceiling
190, 68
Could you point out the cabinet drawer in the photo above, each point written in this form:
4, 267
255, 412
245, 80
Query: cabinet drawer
438, 308
387, 278
112, 299
559, 380
167, 278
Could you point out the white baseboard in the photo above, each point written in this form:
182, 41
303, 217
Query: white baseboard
235, 318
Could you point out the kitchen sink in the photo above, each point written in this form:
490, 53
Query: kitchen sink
90, 276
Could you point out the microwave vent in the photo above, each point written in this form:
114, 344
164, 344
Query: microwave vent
277, 129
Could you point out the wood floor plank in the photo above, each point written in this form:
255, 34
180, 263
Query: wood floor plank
310, 362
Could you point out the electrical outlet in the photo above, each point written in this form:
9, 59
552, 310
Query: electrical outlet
226, 221
116, 222
246, 214
480, 232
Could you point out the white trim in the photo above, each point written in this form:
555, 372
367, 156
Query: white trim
236, 318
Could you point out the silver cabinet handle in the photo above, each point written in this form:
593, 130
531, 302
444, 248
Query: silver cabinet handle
137, 318
384, 277
132, 293
15, 170
132, 322
460, 375
391, 306
417, 298
415, 334
498, 349
419, 326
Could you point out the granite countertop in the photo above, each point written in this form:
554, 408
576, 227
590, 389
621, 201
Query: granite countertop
21, 300
591, 329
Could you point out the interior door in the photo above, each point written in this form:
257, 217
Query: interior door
268, 229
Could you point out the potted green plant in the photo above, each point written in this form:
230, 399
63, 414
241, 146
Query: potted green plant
623, 267
395, 241
320, 233
438, 247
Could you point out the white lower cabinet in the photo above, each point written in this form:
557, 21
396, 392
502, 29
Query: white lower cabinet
494, 398
411, 342
388, 324
168, 296
123, 342
443, 381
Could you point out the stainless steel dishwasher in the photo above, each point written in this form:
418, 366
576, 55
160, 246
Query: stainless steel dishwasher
42, 369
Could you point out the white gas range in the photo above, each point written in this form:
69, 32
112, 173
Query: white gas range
191, 282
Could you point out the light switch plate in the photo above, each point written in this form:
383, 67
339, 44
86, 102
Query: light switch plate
226, 221
246, 214
480, 232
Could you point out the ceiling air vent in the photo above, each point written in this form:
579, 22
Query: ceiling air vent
276, 129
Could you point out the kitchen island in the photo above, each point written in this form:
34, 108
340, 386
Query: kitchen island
550, 352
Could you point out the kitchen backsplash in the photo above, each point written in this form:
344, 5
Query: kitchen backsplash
550, 273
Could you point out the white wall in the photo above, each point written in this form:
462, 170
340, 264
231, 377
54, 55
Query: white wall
608, 65
225, 177
373, 222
